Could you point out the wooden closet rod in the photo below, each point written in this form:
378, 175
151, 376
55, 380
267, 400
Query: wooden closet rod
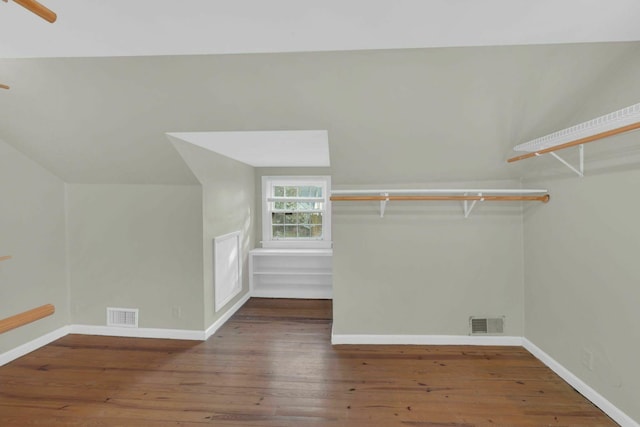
26, 317
580, 141
5, 257
37, 8
381, 198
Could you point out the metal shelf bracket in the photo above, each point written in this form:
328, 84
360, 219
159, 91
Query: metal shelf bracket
468, 207
580, 170
383, 204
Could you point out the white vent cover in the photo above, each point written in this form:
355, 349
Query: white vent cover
227, 265
127, 317
486, 325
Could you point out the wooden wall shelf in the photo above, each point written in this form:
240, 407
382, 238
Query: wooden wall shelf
37, 8
26, 317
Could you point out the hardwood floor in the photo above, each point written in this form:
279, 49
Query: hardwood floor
272, 364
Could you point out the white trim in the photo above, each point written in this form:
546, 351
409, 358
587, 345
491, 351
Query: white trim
218, 275
302, 293
30, 346
178, 334
336, 339
114, 331
583, 388
297, 244
217, 324
424, 339
292, 252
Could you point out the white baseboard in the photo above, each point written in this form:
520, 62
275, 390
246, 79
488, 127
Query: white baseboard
337, 339
223, 319
174, 334
177, 334
113, 331
583, 388
30, 346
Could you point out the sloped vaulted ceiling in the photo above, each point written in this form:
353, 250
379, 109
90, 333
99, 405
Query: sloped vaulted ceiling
409, 115
433, 112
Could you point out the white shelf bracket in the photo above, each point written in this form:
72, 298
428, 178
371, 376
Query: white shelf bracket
580, 170
468, 207
383, 204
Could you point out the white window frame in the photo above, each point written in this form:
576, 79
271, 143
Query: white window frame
268, 182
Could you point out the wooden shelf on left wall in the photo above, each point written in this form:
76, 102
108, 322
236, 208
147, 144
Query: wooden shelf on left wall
26, 317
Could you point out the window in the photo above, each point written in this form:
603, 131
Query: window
296, 212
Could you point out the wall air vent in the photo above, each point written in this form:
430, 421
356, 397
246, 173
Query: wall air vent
486, 325
127, 317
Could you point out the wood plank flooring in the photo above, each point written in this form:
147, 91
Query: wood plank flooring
273, 364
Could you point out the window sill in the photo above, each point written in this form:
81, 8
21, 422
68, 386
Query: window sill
282, 244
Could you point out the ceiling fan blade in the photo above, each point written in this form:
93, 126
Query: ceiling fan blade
3, 86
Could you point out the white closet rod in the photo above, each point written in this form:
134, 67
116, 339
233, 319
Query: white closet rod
464, 195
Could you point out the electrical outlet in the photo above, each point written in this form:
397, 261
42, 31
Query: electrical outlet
176, 312
587, 359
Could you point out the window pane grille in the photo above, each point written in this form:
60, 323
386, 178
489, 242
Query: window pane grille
295, 212
294, 225
297, 207
297, 215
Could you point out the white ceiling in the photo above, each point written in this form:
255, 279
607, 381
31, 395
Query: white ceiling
170, 27
294, 148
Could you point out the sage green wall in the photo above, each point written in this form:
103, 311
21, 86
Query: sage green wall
228, 198
136, 246
32, 230
581, 281
397, 115
423, 269
582, 274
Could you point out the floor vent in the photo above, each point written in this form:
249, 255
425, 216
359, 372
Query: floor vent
127, 317
486, 325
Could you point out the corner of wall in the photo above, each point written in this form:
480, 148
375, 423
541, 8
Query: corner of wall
67, 253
